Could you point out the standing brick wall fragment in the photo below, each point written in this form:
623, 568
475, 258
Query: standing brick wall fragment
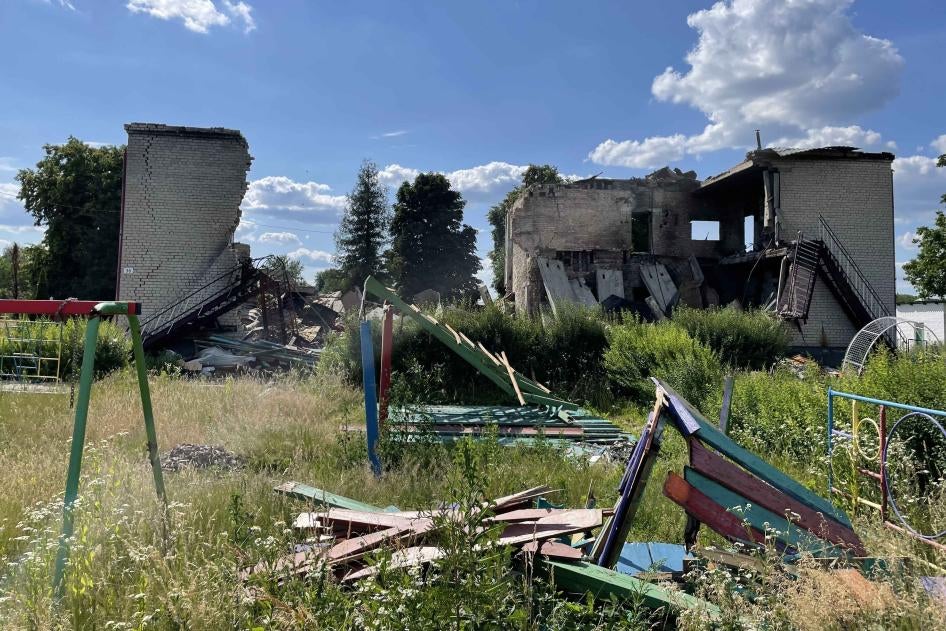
181, 206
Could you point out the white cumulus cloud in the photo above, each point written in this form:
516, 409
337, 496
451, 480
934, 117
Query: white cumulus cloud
278, 195
284, 238
828, 136
939, 145
316, 256
640, 154
797, 70
197, 15
477, 181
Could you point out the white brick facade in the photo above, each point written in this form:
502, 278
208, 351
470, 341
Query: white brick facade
181, 205
855, 197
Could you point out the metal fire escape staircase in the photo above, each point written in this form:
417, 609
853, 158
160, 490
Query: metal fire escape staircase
205, 304
828, 258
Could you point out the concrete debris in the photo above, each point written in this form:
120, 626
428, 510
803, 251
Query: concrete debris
191, 456
219, 358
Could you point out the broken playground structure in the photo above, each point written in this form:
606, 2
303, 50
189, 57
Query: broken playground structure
723, 486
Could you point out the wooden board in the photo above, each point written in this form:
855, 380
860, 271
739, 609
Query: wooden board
312, 494
408, 557
553, 550
525, 514
699, 506
711, 436
761, 518
344, 518
584, 577
758, 492
564, 523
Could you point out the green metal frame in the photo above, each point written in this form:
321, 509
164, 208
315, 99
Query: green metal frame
81, 418
531, 391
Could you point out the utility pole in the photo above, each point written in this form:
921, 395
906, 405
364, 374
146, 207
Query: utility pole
15, 267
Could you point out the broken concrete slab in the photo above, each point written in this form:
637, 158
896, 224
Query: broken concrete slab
609, 282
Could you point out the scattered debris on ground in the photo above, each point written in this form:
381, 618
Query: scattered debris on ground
190, 456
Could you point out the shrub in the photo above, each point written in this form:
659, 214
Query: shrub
564, 353
664, 350
779, 413
744, 339
112, 349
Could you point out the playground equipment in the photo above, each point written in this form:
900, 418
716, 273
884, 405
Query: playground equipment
897, 333
94, 312
28, 352
878, 456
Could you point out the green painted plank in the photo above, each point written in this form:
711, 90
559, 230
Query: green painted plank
762, 519
602, 582
473, 355
308, 493
761, 469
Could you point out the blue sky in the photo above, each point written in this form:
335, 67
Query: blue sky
476, 90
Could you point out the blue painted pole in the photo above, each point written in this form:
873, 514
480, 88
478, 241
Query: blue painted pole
371, 396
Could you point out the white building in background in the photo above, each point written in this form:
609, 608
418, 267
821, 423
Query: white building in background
931, 313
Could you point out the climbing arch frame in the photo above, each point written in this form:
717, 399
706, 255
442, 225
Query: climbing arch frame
898, 332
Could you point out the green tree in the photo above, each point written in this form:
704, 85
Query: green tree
329, 280
30, 281
280, 267
534, 174
362, 234
927, 272
75, 191
431, 247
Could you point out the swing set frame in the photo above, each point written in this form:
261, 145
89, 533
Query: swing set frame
94, 311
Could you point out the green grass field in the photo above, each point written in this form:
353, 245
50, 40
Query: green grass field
135, 567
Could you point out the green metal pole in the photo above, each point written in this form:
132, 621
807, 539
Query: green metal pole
142, 371
75, 457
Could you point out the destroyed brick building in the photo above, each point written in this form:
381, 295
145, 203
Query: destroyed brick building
806, 233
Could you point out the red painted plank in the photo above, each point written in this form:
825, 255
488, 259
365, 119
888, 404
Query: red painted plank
555, 550
758, 492
60, 308
699, 506
387, 346
501, 430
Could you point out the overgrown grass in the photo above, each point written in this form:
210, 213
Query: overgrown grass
135, 566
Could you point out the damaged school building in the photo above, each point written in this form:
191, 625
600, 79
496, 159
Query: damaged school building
806, 233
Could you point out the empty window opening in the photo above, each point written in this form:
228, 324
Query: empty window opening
704, 230
576, 261
640, 231
749, 231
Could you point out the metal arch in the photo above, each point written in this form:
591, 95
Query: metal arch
889, 327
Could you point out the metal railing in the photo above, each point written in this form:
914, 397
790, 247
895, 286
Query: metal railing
856, 279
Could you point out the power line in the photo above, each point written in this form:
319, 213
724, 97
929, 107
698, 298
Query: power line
116, 210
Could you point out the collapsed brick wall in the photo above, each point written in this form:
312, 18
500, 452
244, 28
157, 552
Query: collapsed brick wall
181, 205
596, 216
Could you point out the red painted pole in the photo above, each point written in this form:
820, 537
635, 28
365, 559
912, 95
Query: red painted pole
883, 478
387, 342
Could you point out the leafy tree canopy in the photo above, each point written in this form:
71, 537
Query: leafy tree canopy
75, 191
281, 266
431, 247
927, 272
534, 174
28, 263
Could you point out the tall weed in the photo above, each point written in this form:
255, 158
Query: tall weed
742, 339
